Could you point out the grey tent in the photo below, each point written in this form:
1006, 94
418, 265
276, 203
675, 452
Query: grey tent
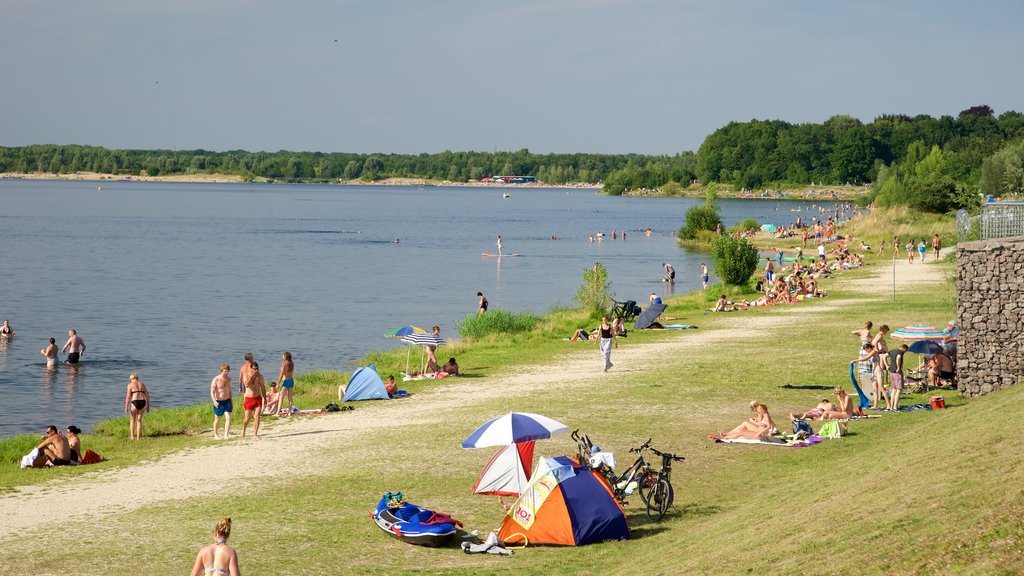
648, 316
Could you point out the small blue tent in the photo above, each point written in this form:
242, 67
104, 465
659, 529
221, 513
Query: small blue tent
365, 384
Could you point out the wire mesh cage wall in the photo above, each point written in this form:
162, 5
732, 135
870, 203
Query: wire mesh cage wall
1001, 220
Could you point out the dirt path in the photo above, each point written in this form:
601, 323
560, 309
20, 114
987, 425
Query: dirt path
287, 446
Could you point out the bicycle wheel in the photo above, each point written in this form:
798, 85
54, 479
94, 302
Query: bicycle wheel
647, 484
659, 499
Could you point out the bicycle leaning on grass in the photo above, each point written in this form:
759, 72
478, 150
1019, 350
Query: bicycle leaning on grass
653, 486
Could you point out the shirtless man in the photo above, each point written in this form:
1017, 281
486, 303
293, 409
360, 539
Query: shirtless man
704, 274
940, 367
50, 352
273, 403
75, 347
936, 245
243, 372
255, 397
54, 450
220, 393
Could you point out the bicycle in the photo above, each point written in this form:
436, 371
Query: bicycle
654, 487
661, 494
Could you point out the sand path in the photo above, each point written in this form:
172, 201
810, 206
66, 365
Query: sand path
290, 445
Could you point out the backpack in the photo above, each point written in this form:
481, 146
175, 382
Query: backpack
332, 407
801, 426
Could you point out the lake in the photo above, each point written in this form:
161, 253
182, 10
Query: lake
170, 280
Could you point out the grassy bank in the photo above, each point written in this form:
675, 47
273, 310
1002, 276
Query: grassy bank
909, 493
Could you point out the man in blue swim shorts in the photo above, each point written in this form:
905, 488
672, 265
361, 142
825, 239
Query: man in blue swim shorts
220, 393
287, 378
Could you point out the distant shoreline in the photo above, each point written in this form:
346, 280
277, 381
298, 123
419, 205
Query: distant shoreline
803, 193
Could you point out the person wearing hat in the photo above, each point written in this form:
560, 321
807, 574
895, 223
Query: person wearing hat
949, 341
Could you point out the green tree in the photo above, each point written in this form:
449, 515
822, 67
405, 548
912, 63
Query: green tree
594, 295
735, 259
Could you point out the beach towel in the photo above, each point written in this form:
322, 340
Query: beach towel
678, 327
28, 459
810, 441
832, 429
91, 457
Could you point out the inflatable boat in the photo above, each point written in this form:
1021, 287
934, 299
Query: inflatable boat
412, 524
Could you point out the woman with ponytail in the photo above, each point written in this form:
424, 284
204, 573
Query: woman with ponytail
217, 558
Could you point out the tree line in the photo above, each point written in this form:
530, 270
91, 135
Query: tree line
314, 166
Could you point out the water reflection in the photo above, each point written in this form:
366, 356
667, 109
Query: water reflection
70, 385
48, 380
4, 342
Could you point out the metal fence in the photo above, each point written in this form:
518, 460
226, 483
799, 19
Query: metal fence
996, 220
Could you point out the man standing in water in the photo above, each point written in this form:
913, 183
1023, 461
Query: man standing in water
220, 393
255, 397
704, 274
482, 305
75, 347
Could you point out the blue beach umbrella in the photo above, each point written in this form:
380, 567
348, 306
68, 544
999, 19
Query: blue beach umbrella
512, 428
926, 347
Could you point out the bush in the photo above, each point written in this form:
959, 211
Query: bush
594, 295
735, 260
746, 224
699, 218
496, 321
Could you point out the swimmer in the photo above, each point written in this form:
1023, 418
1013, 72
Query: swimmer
6, 331
50, 352
136, 404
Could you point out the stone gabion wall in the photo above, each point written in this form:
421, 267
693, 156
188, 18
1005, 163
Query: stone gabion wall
990, 314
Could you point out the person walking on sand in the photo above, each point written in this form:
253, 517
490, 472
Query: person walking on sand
75, 347
287, 379
136, 404
499, 245
936, 245
704, 275
922, 250
255, 397
482, 305
218, 558
50, 352
220, 393
606, 342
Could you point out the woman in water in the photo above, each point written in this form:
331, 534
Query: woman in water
217, 558
136, 403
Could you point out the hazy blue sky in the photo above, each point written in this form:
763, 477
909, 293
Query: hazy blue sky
647, 76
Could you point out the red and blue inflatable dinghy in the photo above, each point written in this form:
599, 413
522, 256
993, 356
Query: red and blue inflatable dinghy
412, 524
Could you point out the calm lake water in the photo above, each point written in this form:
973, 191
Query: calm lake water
170, 280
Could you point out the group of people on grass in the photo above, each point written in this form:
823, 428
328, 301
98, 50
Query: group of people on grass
56, 449
886, 368
256, 399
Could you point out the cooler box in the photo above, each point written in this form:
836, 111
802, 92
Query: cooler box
938, 402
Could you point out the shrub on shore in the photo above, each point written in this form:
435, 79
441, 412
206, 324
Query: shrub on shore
496, 321
594, 295
735, 259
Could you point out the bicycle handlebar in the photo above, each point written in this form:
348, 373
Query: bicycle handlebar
668, 455
642, 447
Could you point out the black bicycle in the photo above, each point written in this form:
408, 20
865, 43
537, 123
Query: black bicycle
661, 495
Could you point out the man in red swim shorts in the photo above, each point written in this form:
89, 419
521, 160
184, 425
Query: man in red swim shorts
255, 396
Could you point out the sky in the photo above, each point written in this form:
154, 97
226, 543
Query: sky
406, 76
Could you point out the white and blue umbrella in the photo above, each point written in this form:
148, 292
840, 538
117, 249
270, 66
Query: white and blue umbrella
417, 338
512, 428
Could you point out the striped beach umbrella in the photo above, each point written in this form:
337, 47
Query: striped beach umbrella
918, 332
423, 339
512, 428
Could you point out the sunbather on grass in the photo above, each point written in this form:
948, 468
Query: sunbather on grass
759, 426
815, 413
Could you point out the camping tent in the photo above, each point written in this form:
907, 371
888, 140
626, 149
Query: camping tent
567, 504
508, 472
365, 384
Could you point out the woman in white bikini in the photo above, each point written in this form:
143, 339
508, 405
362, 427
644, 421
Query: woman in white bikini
217, 558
